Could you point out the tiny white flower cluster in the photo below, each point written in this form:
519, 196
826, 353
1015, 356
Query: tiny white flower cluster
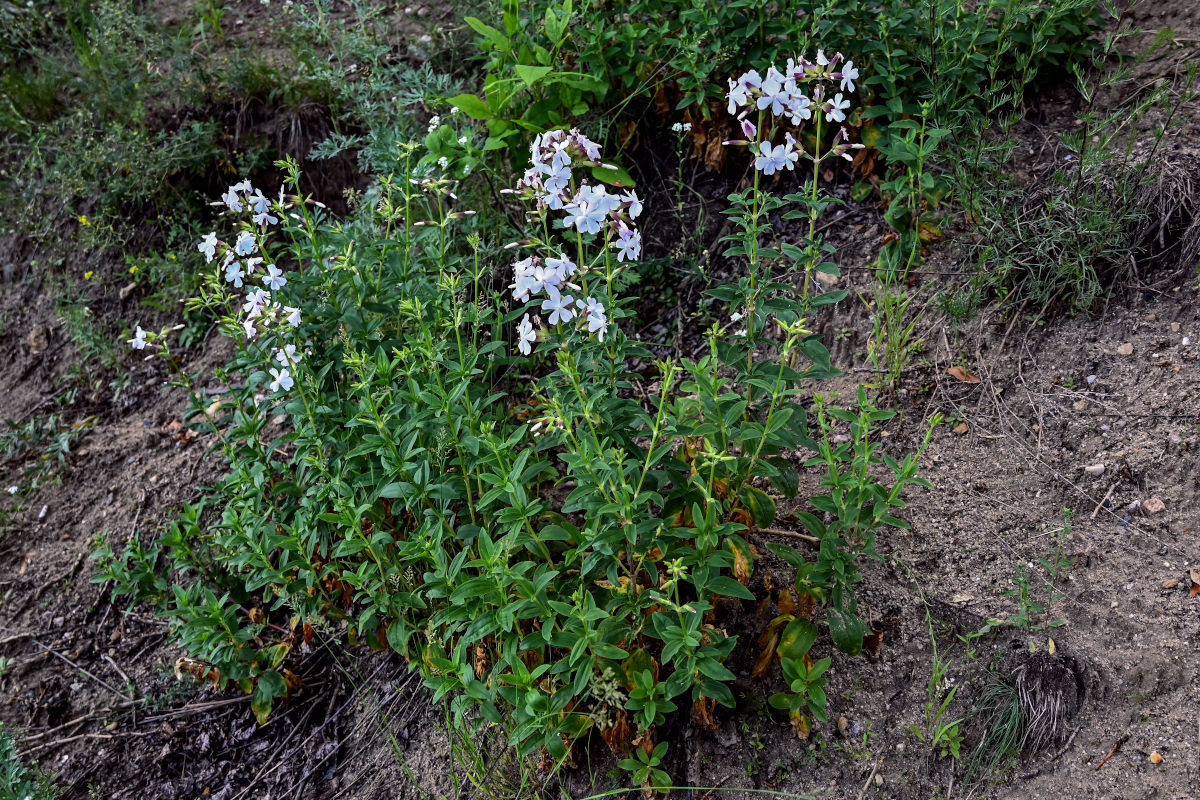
780, 94
682, 127
261, 309
589, 209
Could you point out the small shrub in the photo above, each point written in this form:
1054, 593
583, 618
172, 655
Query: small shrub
545, 534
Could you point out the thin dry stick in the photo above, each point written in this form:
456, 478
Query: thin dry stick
60, 742
1100, 505
1115, 748
871, 777
100, 681
793, 534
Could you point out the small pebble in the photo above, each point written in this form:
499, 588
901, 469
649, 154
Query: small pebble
1155, 758
1094, 469
1091, 379
1154, 506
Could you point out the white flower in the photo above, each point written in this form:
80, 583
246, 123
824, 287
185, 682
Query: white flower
772, 159
735, 316
776, 95
558, 270
282, 379
597, 322
13, 489
435, 122
835, 110
748, 130
629, 244
443, 162
634, 205
258, 202
525, 335
739, 91
523, 283
258, 300
293, 316
264, 218
208, 246
243, 187
677, 127
589, 148
790, 154
138, 342
462, 140
287, 355
800, 109
245, 244
589, 208
274, 279
234, 274
558, 305
252, 264
231, 199
248, 326
849, 76
822, 61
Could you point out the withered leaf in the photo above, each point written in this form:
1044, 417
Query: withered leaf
963, 374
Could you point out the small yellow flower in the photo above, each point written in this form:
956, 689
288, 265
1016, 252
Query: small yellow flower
83, 220
88, 275
133, 269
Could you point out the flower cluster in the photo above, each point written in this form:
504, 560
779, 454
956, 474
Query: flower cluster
780, 94
242, 265
550, 182
240, 262
535, 275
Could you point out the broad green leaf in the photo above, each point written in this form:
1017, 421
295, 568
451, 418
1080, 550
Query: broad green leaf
472, 106
531, 75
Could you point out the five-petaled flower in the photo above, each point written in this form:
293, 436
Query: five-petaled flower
849, 76
835, 109
287, 355
558, 305
525, 335
274, 279
281, 379
208, 246
138, 342
245, 244
234, 274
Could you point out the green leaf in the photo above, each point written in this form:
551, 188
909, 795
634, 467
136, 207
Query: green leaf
471, 105
846, 629
723, 584
760, 505
487, 31
616, 176
797, 639
785, 480
531, 75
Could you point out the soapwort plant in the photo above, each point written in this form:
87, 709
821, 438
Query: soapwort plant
439, 447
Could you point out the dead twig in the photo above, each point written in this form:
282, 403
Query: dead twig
874, 771
91, 675
1115, 748
1103, 500
793, 534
